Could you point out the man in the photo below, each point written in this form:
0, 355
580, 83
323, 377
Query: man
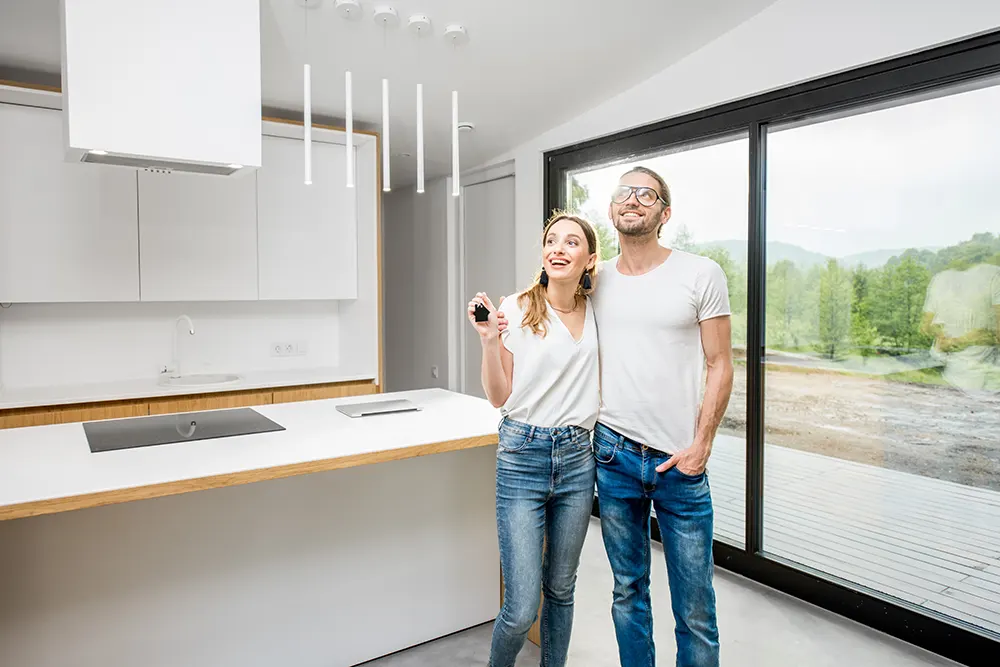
661, 315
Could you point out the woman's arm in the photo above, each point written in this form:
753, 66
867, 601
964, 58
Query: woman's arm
498, 362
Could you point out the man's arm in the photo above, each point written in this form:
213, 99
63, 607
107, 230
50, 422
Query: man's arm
716, 340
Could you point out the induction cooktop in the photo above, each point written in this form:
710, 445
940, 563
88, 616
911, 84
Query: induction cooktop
114, 434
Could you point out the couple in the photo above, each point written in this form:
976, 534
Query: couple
661, 315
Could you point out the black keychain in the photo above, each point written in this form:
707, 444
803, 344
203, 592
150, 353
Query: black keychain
482, 313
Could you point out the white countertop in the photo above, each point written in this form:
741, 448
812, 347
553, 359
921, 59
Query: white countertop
42, 463
30, 397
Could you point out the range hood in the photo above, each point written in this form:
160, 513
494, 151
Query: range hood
163, 85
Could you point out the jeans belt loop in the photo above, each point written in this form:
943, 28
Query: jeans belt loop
531, 433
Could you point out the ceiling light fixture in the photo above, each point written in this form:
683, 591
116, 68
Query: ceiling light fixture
386, 16
458, 36
349, 151
307, 92
419, 24
349, 10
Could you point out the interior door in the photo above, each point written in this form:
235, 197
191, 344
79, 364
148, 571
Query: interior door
488, 253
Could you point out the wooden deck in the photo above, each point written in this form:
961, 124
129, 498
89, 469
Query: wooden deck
929, 542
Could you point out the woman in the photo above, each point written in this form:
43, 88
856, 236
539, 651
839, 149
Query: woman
542, 371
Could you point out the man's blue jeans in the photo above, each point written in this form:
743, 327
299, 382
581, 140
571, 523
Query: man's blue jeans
545, 495
627, 485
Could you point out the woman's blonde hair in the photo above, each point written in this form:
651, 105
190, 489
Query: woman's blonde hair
536, 313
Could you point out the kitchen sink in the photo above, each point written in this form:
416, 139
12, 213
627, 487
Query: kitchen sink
199, 379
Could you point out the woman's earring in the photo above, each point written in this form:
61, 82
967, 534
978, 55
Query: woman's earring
543, 279
586, 281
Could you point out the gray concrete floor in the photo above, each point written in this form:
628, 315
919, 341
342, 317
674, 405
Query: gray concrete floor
759, 627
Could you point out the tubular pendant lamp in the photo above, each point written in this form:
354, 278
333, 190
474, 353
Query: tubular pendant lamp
385, 136
418, 24
307, 121
349, 153
454, 143
420, 138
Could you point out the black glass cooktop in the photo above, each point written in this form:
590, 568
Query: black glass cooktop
110, 435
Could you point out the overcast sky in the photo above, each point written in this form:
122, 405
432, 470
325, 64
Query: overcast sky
924, 174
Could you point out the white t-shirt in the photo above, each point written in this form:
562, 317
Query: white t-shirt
652, 359
556, 380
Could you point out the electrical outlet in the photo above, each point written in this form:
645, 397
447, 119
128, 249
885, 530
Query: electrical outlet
289, 349
434, 371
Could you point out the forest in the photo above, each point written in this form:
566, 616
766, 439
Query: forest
831, 308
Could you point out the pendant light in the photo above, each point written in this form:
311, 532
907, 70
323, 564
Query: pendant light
349, 152
420, 24
387, 17
349, 10
307, 93
458, 37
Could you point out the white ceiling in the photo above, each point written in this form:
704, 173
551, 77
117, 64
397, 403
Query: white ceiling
529, 65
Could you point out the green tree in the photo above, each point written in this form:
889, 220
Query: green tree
863, 333
578, 196
785, 306
898, 304
683, 240
834, 308
608, 240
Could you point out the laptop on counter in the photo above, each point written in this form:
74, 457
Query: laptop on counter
367, 408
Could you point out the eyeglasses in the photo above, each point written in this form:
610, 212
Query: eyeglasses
645, 196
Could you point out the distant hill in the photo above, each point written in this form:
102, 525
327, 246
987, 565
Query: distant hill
778, 251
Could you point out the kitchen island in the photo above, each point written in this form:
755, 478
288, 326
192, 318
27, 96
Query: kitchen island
330, 542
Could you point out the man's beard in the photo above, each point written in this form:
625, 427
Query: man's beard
643, 226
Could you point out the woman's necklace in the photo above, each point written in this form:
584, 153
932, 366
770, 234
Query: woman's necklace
564, 312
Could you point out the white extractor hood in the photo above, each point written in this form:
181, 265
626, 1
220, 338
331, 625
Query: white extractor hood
167, 85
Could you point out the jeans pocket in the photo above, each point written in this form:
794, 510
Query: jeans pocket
693, 478
512, 441
604, 452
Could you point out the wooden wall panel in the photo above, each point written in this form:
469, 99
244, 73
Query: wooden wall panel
322, 391
235, 399
82, 412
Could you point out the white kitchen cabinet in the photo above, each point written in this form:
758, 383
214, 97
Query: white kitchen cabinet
197, 237
307, 234
68, 231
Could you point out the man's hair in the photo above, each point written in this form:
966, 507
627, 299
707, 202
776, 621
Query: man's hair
664, 188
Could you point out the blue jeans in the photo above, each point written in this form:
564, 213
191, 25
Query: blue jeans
545, 492
627, 485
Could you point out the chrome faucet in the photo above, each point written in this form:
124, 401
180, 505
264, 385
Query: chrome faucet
176, 365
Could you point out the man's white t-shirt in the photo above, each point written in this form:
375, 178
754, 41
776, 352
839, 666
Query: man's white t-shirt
556, 379
652, 360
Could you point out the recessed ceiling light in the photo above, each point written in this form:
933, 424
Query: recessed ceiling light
236, 166
98, 152
404, 155
466, 126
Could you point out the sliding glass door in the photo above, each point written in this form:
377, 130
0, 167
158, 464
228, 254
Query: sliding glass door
882, 408
708, 181
856, 218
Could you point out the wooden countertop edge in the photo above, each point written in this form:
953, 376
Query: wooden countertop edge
69, 503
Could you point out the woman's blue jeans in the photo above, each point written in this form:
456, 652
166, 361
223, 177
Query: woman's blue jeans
545, 494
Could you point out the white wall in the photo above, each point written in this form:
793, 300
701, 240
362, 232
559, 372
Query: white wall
73, 344
789, 42
415, 274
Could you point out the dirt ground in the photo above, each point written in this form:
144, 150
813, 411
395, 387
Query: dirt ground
928, 430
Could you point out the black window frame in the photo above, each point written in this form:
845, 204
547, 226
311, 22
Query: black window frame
895, 79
